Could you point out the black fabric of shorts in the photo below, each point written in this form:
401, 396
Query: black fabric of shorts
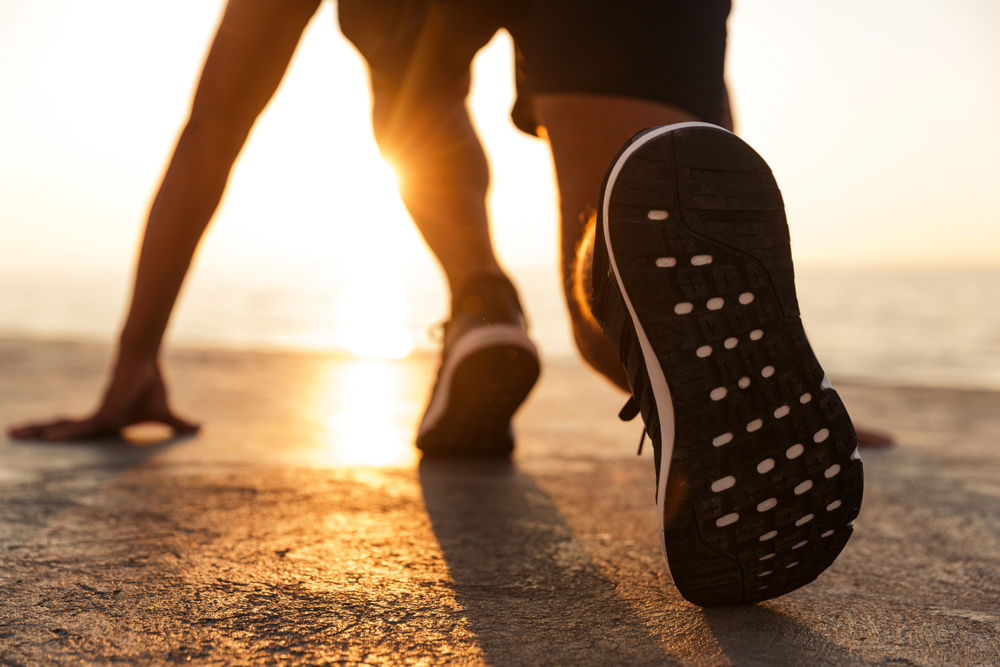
670, 51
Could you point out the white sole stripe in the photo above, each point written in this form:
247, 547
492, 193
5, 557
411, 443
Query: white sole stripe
658, 382
475, 340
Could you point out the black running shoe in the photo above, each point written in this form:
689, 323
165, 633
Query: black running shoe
488, 366
758, 474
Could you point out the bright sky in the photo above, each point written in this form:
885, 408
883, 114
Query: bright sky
878, 118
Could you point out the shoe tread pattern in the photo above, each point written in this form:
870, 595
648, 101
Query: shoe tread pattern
723, 202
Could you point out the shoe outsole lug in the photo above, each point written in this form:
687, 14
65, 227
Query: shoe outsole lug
716, 198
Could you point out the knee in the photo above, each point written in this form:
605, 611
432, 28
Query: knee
406, 118
430, 142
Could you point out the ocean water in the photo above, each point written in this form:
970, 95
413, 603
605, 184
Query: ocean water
930, 327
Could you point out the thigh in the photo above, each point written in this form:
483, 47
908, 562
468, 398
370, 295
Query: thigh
668, 51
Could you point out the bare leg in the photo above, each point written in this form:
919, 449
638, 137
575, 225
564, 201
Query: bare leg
443, 175
420, 78
247, 61
486, 373
585, 132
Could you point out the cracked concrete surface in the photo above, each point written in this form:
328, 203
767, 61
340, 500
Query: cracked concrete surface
300, 528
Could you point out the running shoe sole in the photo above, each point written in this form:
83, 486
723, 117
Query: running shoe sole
758, 474
487, 375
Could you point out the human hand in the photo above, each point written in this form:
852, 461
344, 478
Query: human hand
136, 394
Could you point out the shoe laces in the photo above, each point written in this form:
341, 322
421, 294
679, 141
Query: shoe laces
627, 414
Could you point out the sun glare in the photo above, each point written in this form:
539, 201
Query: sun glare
388, 174
372, 318
374, 304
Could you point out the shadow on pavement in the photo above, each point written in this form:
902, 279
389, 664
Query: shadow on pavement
532, 593
758, 635
41, 479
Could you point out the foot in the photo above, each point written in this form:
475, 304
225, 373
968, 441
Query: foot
758, 475
488, 366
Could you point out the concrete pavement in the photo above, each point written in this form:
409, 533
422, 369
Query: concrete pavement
301, 528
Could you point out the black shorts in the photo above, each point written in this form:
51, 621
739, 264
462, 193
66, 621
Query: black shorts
670, 51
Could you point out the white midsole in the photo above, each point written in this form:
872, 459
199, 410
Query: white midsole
661, 391
473, 341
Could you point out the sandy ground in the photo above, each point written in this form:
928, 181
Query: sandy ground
301, 528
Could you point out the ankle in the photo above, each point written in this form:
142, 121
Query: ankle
490, 297
458, 280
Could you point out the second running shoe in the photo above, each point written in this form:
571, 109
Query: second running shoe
488, 367
758, 474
